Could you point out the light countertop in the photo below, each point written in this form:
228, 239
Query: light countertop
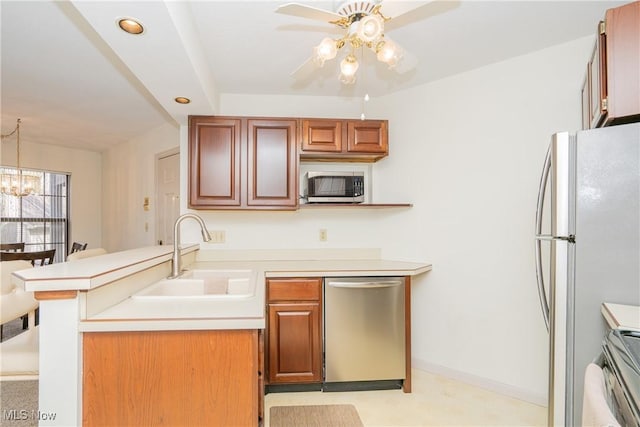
127, 313
621, 316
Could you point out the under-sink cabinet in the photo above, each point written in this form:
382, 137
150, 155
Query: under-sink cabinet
198, 377
294, 331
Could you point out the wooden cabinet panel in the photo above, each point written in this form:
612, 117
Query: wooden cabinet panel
170, 378
586, 101
294, 290
322, 135
272, 158
240, 163
294, 330
214, 156
344, 140
622, 57
613, 69
598, 80
294, 343
367, 136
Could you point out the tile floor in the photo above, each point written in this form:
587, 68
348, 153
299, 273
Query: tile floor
435, 401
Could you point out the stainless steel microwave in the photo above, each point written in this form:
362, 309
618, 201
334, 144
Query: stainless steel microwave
334, 187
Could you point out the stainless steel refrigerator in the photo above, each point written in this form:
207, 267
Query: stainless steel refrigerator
587, 250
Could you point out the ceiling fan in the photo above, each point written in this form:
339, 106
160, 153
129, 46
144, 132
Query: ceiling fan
364, 23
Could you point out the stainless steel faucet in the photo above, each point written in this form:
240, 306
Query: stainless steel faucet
176, 260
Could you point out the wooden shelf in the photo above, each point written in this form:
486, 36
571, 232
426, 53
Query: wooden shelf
354, 205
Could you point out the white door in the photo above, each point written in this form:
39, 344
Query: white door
167, 195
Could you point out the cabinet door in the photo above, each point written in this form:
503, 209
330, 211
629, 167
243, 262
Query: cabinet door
586, 102
153, 378
598, 80
622, 59
272, 163
323, 136
214, 161
294, 343
367, 136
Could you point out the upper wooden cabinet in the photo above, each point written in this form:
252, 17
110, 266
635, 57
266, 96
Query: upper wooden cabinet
344, 140
242, 163
612, 87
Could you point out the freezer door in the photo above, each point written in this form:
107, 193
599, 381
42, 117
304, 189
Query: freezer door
607, 238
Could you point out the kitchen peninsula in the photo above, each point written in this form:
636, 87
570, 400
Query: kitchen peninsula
109, 356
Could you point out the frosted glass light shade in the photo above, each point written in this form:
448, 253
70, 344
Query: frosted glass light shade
389, 53
326, 50
349, 65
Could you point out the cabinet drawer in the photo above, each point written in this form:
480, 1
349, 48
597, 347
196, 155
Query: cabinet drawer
294, 289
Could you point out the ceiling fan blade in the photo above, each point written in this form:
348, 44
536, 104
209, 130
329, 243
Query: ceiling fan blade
304, 11
419, 10
395, 8
305, 69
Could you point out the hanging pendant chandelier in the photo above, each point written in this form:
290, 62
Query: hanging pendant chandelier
17, 182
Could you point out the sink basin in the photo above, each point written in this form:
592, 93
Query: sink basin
206, 284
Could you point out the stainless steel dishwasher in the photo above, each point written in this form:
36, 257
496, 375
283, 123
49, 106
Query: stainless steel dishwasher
364, 333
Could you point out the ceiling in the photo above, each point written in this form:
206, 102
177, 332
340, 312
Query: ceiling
76, 80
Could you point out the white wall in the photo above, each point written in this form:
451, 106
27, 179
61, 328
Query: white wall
129, 177
466, 151
85, 168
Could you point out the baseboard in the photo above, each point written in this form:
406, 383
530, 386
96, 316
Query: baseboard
485, 383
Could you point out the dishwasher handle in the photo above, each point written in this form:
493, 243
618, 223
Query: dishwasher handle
368, 284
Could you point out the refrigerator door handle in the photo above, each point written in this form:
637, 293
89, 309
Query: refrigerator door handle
544, 302
571, 238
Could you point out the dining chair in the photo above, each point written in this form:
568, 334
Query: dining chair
20, 353
12, 247
15, 302
77, 246
37, 258
86, 254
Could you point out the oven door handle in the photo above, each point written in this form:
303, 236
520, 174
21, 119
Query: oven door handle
367, 285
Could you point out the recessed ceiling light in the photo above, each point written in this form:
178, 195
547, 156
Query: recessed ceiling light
182, 100
130, 25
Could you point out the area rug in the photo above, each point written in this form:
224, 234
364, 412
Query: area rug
314, 416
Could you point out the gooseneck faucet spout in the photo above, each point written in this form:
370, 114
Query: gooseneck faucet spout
176, 260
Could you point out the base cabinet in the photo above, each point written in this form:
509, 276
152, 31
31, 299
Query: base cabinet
294, 332
171, 378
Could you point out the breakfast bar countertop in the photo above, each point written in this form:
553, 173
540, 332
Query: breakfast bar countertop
104, 307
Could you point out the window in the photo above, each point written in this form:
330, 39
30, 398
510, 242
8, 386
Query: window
40, 221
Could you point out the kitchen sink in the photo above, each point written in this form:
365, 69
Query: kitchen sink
206, 284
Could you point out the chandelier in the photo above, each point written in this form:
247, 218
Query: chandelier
363, 29
18, 182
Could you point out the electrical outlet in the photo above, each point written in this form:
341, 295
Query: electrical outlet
217, 236
323, 235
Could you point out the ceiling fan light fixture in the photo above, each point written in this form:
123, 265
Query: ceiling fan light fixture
349, 65
370, 28
389, 53
326, 50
